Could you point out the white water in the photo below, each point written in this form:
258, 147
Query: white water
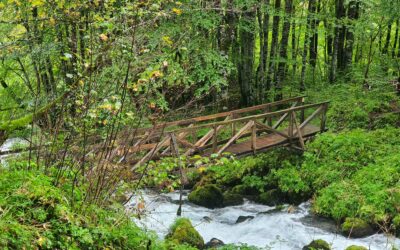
274, 230
10, 144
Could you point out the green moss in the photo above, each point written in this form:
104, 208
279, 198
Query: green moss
355, 227
209, 196
183, 232
354, 247
232, 199
270, 198
317, 245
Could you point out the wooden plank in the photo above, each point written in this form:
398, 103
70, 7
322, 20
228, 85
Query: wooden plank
268, 128
236, 136
298, 130
215, 137
254, 138
267, 141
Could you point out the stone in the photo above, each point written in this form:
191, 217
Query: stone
270, 198
209, 196
317, 245
232, 199
241, 218
356, 228
214, 243
182, 231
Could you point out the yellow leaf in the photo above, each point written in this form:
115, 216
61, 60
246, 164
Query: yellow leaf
156, 74
177, 11
167, 40
104, 37
37, 3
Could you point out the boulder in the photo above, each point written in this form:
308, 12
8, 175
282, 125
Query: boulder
209, 196
354, 247
356, 228
317, 245
232, 199
241, 218
244, 190
214, 243
182, 231
270, 198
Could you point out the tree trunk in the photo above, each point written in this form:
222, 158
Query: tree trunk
283, 50
246, 62
387, 42
314, 38
396, 37
352, 15
307, 40
337, 54
274, 43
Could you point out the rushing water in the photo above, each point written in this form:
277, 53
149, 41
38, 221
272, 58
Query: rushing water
10, 144
269, 229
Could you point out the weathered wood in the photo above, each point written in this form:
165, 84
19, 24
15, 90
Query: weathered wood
253, 141
298, 131
221, 115
254, 138
253, 117
215, 137
236, 136
268, 128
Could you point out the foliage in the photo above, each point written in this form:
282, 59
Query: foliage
353, 174
38, 215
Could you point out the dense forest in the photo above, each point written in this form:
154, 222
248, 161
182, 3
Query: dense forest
84, 83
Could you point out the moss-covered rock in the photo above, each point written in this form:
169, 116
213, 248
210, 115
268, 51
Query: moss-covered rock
354, 247
317, 245
270, 198
356, 228
214, 243
183, 232
209, 196
232, 199
244, 190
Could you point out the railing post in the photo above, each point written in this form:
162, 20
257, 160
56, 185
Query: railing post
233, 125
290, 129
254, 137
270, 117
215, 139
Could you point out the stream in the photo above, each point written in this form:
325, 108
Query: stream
269, 229
266, 227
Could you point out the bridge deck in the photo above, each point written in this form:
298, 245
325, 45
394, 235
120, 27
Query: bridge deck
265, 142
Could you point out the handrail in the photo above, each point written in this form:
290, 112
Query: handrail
223, 114
248, 118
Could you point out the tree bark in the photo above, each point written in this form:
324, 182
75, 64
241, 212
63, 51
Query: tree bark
307, 40
283, 50
387, 42
274, 43
246, 62
353, 14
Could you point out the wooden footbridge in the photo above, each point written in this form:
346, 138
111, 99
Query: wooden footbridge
288, 122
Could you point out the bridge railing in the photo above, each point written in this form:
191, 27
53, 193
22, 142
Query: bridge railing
221, 135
